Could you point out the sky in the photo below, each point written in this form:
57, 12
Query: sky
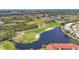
39, 4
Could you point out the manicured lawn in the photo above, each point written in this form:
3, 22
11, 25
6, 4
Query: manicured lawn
29, 35
27, 38
7, 45
53, 25
39, 22
37, 30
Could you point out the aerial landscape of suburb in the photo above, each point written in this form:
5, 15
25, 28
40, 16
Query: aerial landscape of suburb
39, 29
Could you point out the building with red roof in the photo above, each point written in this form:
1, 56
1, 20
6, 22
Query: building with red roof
62, 46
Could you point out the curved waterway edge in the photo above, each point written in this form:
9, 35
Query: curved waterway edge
51, 36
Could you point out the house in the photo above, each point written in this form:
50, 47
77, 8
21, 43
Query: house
62, 46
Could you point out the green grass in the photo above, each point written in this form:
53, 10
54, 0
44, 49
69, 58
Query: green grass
29, 35
53, 25
37, 21
27, 38
37, 30
7, 46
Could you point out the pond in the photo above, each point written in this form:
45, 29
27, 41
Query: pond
51, 36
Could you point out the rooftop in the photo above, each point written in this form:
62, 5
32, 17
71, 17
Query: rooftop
62, 46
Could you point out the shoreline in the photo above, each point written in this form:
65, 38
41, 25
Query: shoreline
48, 29
37, 36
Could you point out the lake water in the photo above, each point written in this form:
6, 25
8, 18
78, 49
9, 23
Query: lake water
51, 36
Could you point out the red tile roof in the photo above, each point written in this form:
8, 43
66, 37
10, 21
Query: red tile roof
61, 45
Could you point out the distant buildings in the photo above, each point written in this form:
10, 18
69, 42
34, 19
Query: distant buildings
72, 29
